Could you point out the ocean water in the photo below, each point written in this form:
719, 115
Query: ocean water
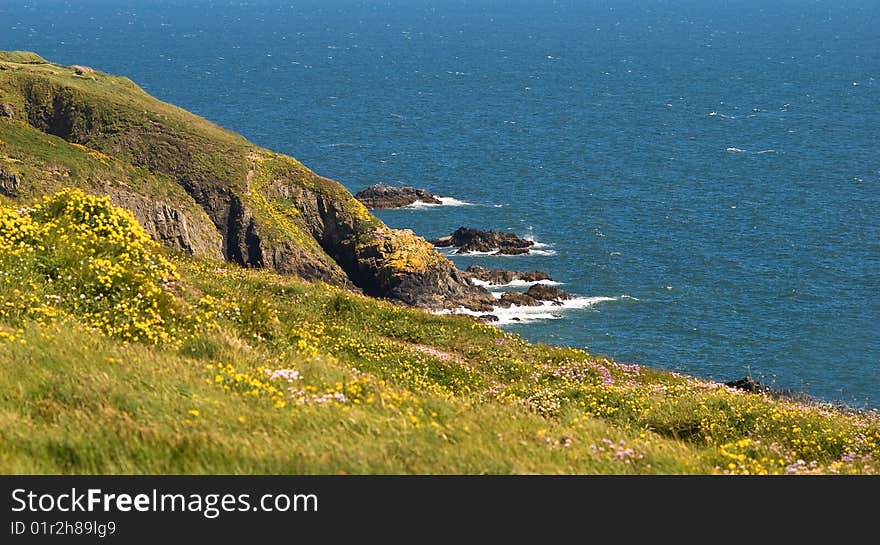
705, 175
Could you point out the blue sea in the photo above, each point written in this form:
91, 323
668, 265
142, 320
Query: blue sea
703, 174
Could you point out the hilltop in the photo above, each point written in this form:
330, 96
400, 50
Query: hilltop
175, 299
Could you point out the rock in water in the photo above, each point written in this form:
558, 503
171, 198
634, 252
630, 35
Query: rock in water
547, 293
385, 196
469, 240
515, 298
500, 277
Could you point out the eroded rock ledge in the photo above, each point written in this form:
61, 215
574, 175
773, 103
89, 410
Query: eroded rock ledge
469, 240
500, 277
382, 196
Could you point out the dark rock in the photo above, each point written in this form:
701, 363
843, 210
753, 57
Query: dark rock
533, 276
510, 298
543, 292
488, 317
9, 183
492, 276
469, 240
384, 196
503, 276
748, 384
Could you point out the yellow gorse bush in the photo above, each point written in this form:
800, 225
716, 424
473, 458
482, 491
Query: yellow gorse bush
78, 255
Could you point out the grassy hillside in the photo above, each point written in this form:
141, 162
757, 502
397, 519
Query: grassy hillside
201, 189
117, 356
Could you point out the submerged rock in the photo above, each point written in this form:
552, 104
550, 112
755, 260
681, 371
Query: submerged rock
469, 240
503, 276
385, 196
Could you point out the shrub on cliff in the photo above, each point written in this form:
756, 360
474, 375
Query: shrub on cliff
77, 255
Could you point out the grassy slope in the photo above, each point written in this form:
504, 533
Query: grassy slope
382, 388
50, 163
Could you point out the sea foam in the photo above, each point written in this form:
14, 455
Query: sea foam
546, 311
444, 201
513, 284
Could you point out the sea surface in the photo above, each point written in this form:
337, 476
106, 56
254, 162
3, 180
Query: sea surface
704, 175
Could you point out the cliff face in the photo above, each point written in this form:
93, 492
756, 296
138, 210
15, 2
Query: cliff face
201, 189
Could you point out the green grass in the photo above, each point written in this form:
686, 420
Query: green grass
21, 57
382, 388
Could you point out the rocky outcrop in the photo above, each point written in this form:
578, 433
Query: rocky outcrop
468, 240
399, 265
172, 226
535, 296
385, 196
750, 385
500, 277
543, 292
9, 183
511, 298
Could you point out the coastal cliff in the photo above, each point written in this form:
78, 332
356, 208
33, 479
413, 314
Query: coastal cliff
201, 189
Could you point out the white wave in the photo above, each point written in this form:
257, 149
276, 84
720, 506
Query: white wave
517, 283
535, 244
546, 311
738, 150
494, 253
451, 201
419, 205
444, 201
475, 254
536, 247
